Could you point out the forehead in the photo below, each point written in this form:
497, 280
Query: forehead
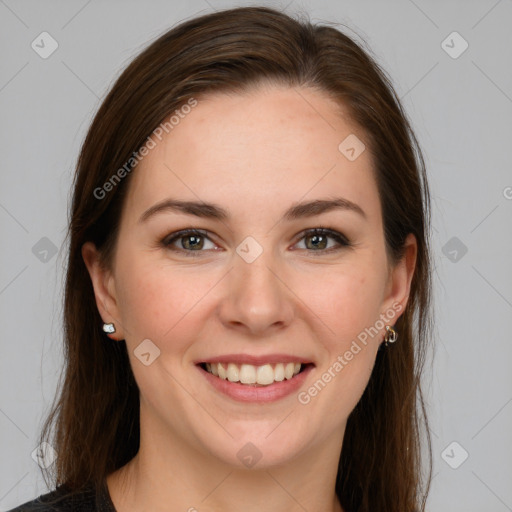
251, 150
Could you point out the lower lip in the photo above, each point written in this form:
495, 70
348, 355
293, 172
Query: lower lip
257, 394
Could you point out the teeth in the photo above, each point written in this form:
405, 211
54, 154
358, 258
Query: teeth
220, 370
288, 371
254, 375
247, 374
264, 375
233, 372
279, 372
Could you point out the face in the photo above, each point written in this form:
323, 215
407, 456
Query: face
252, 284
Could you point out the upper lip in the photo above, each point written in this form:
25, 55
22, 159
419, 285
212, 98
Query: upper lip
255, 360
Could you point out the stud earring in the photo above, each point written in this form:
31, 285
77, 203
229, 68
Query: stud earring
109, 328
391, 335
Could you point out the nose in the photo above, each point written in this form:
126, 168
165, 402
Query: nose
257, 299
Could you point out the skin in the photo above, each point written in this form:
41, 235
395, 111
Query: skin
255, 154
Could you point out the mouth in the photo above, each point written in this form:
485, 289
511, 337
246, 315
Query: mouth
256, 376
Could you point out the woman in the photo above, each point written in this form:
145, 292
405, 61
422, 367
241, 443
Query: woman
249, 227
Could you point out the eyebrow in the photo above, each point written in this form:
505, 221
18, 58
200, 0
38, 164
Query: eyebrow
213, 211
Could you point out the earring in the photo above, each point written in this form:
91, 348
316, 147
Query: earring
391, 335
109, 328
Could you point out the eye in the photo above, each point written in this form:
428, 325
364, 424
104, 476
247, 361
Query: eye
319, 240
190, 240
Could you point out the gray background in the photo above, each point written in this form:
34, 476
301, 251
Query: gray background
461, 110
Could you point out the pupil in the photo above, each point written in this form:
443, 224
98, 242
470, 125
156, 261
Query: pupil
317, 238
195, 241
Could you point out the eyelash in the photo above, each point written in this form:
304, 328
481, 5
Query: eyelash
338, 237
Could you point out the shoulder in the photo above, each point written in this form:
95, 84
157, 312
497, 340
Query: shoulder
60, 500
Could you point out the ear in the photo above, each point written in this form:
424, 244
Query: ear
104, 289
399, 283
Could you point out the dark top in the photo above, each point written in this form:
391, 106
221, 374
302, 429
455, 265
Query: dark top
58, 500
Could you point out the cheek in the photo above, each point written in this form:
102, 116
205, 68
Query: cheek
348, 304
347, 301
157, 302
349, 310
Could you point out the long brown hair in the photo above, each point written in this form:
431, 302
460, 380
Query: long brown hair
96, 411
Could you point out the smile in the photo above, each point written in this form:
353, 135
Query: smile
255, 383
254, 375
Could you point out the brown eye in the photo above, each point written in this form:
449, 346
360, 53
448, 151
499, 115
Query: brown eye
192, 242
